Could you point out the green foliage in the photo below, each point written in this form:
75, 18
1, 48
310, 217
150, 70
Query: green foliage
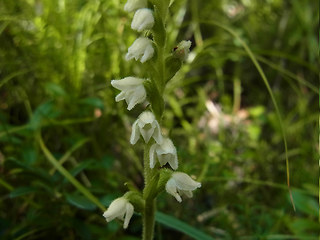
63, 147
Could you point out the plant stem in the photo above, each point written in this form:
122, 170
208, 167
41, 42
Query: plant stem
150, 206
148, 219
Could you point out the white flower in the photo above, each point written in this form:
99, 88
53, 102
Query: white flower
140, 49
142, 20
147, 126
182, 50
166, 153
181, 183
120, 208
132, 90
133, 5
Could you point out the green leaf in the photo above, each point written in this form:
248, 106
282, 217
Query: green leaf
92, 101
81, 166
305, 203
173, 65
43, 113
22, 191
80, 202
303, 226
183, 227
54, 89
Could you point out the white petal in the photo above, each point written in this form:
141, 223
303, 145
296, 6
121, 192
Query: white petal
148, 53
146, 133
117, 208
151, 155
135, 134
142, 20
141, 48
120, 96
135, 96
145, 118
157, 133
166, 147
189, 194
171, 188
184, 182
127, 83
173, 162
133, 5
138, 96
129, 56
129, 213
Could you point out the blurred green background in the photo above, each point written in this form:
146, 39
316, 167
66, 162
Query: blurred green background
57, 58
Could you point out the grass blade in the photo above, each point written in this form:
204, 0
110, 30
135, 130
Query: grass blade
183, 227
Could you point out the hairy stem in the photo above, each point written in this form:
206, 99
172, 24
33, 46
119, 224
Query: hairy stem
150, 206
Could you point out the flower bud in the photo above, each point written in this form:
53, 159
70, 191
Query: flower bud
182, 50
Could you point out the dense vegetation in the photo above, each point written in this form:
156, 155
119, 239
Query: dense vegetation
57, 108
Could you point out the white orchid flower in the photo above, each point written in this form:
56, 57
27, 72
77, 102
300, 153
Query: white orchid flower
120, 208
147, 126
133, 5
165, 152
142, 20
140, 49
181, 183
132, 90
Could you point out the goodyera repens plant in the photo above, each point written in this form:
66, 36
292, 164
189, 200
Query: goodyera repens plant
160, 154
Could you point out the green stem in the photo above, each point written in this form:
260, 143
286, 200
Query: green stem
150, 206
148, 219
161, 68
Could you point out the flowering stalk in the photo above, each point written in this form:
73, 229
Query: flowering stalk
159, 150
